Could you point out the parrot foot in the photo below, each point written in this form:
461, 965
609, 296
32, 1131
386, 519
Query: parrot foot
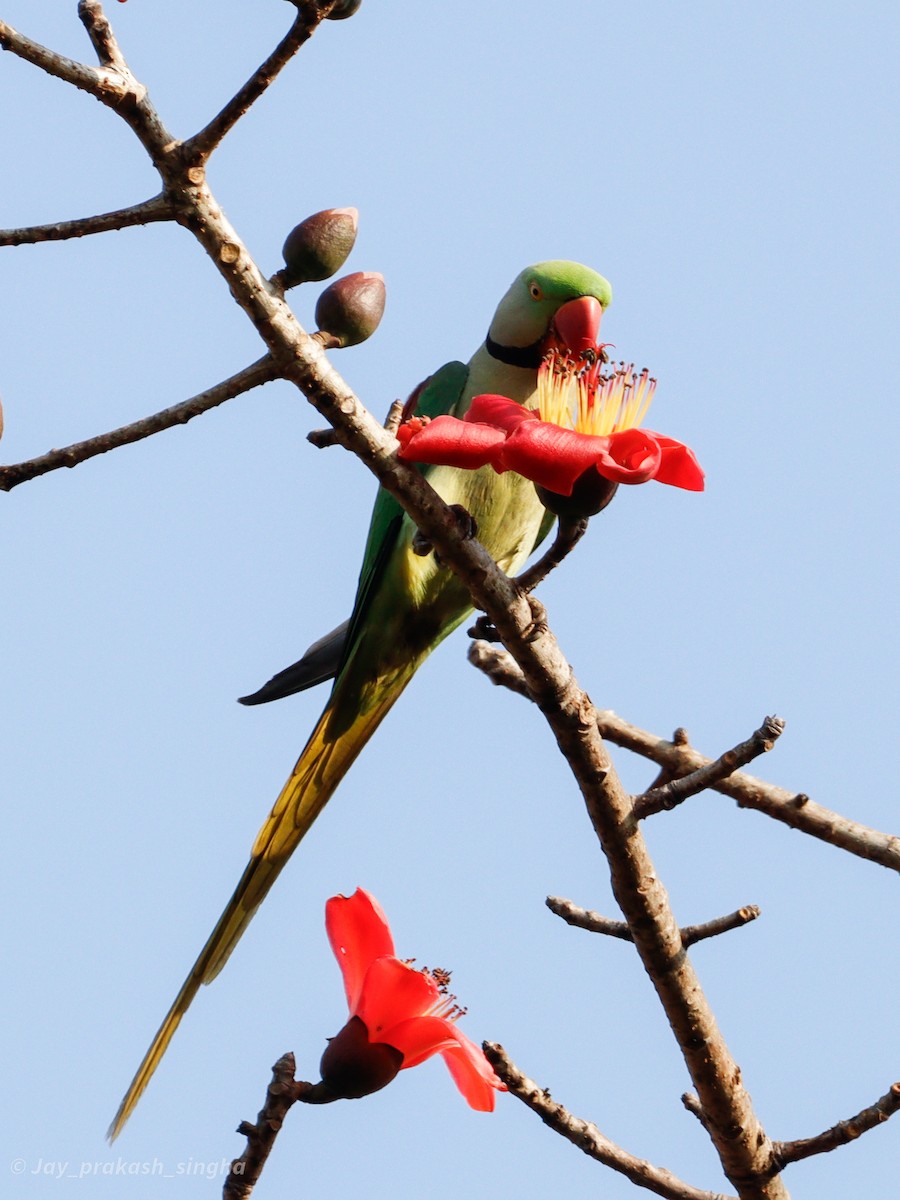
464, 523
484, 630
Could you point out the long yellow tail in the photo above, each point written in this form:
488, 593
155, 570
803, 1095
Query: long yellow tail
319, 770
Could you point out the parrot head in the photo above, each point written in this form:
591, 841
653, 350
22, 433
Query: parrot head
551, 306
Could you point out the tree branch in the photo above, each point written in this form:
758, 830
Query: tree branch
594, 922
678, 758
99, 30
179, 414
668, 795
842, 1133
569, 533
309, 16
88, 79
587, 1137
282, 1093
155, 209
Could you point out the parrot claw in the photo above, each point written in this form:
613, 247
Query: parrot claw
465, 524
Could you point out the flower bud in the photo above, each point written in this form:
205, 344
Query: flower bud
318, 247
344, 9
352, 1066
350, 309
590, 494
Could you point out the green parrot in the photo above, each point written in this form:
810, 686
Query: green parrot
406, 602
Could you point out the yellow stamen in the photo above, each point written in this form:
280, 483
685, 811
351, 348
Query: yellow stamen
617, 400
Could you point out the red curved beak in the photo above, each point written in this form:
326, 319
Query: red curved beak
577, 325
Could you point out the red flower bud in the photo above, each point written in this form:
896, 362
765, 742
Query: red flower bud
590, 494
318, 247
352, 1066
344, 9
350, 309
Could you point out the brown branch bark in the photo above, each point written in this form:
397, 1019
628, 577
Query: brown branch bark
155, 209
282, 1093
587, 1137
569, 532
678, 758
309, 17
842, 1133
87, 79
178, 414
670, 794
594, 922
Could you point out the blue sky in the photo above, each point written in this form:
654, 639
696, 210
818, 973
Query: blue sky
733, 171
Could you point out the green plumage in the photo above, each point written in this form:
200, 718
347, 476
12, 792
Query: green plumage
405, 605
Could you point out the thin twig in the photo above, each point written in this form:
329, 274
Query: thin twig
499, 666
670, 794
587, 1137
102, 37
309, 16
569, 533
842, 1133
88, 79
693, 1105
157, 208
394, 417
691, 934
677, 758
594, 922
179, 414
282, 1093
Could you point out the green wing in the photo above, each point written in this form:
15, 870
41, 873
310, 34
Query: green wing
324, 658
439, 394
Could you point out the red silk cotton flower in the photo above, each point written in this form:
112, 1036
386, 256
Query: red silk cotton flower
398, 1016
581, 426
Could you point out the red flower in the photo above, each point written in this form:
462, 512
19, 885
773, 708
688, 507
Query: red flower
588, 425
398, 1016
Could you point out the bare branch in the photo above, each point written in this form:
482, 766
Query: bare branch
569, 533
842, 1133
586, 918
322, 439
791, 808
587, 1137
155, 209
691, 934
309, 16
88, 79
668, 795
594, 922
499, 666
394, 417
678, 758
99, 30
282, 1093
692, 1104
179, 414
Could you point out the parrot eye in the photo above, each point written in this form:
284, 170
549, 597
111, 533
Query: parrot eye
535, 291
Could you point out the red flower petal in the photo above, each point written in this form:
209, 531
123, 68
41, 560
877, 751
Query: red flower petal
679, 466
392, 992
450, 442
633, 456
418, 1039
359, 933
472, 1073
549, 455
499, 411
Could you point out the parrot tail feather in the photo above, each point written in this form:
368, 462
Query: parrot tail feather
320, 768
